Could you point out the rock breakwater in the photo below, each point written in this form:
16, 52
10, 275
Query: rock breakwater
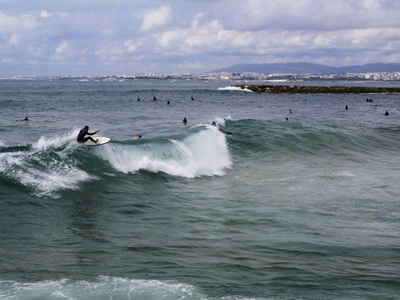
304, 89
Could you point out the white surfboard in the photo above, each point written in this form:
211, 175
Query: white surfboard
101, 140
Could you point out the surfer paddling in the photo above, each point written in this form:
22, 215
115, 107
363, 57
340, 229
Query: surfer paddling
81, 136
26, 119
223, 131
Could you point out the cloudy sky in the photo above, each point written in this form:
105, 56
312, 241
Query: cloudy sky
97, 37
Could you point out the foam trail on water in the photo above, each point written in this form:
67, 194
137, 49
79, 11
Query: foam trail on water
204, 153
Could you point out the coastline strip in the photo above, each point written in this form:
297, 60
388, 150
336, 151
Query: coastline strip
304, 89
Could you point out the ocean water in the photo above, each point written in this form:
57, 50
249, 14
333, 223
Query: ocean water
304, 208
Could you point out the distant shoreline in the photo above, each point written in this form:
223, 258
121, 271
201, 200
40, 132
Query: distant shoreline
303, 89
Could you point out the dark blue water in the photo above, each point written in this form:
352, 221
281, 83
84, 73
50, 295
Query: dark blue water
301, 209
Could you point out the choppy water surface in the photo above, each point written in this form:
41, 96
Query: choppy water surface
297, 209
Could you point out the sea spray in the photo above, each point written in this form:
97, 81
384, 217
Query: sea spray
234, 89
46, 167
202, 152
68, 139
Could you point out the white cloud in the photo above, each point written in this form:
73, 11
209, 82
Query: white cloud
107, 32
62, 47
14, 38
211, 34
196, 38
156, 18
8, 60
66, 52
242, 40
11, 24
309, 14
131, 45
45, 14
195, 23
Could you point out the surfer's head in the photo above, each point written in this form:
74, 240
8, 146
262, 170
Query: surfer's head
86, 128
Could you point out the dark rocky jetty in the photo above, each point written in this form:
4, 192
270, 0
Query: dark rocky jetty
304, 89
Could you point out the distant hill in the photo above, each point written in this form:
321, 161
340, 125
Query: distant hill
305, 68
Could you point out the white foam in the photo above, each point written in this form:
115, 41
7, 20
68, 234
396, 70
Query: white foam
45, 143
204, 153
221, 121
43, 168
59, 177
103, 287
234, 88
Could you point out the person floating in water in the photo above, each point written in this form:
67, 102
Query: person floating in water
346, 107
223, 131
137, 137
81, 136
184, 121
386, 113
192, 98
154, 98
138, 99
26, 119
167, 101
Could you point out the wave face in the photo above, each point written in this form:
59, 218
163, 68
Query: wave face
59, 163
301, 139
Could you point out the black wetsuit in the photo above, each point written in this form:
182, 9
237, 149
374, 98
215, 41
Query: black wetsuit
225, 132
81, 136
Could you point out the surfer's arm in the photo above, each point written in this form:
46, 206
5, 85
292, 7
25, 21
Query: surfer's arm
93, 132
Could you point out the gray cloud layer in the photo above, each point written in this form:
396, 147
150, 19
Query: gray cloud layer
129, 37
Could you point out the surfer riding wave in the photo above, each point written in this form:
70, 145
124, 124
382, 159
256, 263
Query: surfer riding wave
81, 136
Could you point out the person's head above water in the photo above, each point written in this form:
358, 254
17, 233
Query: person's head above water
86, 128
213, 123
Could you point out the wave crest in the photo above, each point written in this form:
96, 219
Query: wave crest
203, 153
